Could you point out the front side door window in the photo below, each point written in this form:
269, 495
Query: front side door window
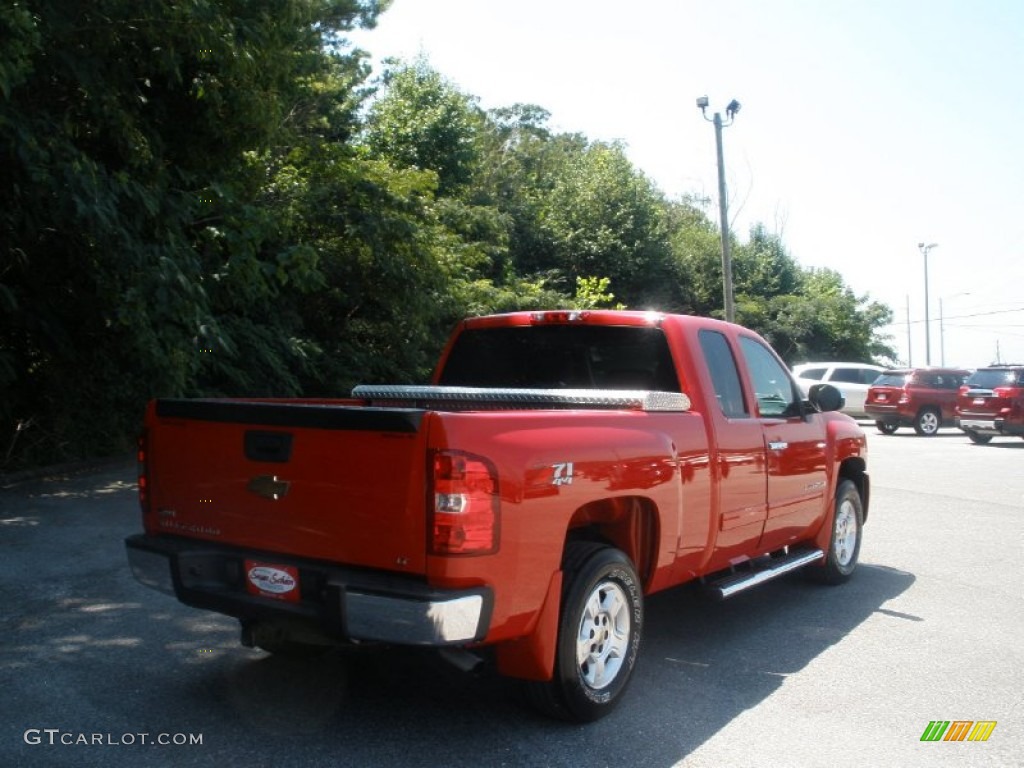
773, 388
797, 481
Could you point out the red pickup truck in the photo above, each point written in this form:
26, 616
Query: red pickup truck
560, 467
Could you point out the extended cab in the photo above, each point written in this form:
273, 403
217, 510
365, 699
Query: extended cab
560, 467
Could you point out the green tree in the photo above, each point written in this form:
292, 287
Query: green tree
126, 198
827, 321
422, 121
696, 253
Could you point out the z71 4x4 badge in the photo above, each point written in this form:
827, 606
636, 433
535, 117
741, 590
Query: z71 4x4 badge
563, 473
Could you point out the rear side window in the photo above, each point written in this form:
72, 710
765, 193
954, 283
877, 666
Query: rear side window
948, 381
847, 376
812, 373
562, 357
891, 380
725, 377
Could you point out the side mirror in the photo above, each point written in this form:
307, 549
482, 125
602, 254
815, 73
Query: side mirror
825, 397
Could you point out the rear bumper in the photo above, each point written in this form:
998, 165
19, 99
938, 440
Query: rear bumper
890, 414
343, 603
988, 425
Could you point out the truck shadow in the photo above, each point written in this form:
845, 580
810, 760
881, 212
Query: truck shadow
702, 664
127, 660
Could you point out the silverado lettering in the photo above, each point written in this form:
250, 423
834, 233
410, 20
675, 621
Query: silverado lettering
560, 467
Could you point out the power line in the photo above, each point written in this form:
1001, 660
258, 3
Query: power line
947, 318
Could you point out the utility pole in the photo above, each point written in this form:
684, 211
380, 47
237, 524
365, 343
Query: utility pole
942, 327
927, 320
910, 356
723, 205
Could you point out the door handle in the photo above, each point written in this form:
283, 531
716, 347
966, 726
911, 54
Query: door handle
777, 445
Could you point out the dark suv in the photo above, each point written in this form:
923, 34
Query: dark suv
922, 398
991, 403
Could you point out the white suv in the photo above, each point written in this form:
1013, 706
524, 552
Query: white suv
852, 379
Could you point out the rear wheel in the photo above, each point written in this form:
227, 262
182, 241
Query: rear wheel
598, 635
978, 438
927, 422
886, 428
844, 547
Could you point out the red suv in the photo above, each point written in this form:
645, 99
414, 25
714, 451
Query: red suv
991, 403
922, 398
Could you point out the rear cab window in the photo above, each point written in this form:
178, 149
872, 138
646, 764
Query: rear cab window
562, 357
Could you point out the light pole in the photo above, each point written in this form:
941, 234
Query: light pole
942, 332
723, 206
927, 320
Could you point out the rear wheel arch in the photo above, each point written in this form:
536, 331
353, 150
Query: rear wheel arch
627, 523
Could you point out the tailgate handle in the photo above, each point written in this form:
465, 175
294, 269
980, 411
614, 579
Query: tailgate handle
268, 446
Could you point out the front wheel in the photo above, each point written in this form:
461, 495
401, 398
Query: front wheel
978, 438
598, 635
886, 427
844, 547
928, 422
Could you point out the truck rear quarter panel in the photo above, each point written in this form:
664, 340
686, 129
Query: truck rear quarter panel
565, 469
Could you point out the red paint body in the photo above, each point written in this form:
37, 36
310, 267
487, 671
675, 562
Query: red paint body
684, 494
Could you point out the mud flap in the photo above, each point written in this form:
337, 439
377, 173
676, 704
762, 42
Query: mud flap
532, 657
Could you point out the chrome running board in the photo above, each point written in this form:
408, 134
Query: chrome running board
759, 574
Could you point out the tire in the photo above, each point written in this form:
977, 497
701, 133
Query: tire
886, 428
927, 422
844, 544
599, 634
977, 438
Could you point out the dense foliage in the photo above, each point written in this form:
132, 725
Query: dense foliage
212, 197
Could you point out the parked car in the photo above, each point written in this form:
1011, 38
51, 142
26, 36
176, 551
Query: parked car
852, 379
991, 402
922, 398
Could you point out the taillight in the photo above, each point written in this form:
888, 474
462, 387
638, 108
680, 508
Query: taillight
464, 505
142, 474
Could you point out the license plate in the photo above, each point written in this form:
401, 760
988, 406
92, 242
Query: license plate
979, 401
882, 398
278, 582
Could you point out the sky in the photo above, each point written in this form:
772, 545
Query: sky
866, 128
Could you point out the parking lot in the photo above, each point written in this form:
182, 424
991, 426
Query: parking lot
790, 674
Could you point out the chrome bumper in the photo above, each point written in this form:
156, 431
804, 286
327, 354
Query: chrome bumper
349, 606
978, 425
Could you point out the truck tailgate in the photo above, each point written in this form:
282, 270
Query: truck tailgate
334, 482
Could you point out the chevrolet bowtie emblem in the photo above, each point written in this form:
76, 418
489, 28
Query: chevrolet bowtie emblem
269, 487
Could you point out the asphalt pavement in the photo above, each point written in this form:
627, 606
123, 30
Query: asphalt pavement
98, 670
